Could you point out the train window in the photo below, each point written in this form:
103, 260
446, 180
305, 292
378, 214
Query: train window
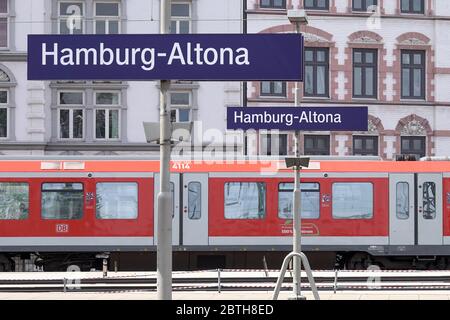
402, 200
194, 200
429, 200
245, 200
310, 200
62, 201
352, 200
116, 200
14, 201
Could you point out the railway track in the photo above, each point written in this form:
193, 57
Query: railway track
224, 280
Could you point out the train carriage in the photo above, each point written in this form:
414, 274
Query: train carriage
355, 213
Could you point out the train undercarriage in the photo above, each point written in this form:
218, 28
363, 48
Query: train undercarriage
204, 260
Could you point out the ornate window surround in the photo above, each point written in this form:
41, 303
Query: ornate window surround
89, 88
8, 82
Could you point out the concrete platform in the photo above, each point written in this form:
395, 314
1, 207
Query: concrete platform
350, 295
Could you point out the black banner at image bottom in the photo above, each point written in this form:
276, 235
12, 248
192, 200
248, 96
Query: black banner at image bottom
217, 309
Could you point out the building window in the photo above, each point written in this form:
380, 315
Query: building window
70, 114
194, 200
317, 145
274, 144
363, 5
106, 20
4, 23
402, 200
62, 201
316, 72
245, 200
3, 113
429, 200
181, 107
273, 4
413, 6
365, 145
107, 115
413, 146
181, 18
310, 200
317, 4
352, 200
71, 17
413, 74
116, 200
365, 73
71, 123
273, 88
14, 201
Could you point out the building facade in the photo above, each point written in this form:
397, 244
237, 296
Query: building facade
104, 117
392, 56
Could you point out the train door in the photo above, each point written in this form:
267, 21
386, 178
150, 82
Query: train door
429, 205
401, 209
174, 188
195, 209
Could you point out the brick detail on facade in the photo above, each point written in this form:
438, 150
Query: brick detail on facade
314, 37
429, 11
414, 41
380, 5
257, 6
365, 40
333, 8
423, 123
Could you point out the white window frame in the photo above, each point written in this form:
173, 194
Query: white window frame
66, 106
64, 17
107, 19
2, 16
178, 19
107, 110
6, 106
177, 107
105, 106
71, 109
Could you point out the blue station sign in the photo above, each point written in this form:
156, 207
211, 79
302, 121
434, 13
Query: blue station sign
298, 118
208, 57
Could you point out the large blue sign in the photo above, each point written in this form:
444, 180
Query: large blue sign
238, 57
298, 118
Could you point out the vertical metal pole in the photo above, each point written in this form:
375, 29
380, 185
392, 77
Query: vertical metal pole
105, 268
219, 285
297, 221
164, 235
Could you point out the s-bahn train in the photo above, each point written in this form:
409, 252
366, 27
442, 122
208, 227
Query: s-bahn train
66, 211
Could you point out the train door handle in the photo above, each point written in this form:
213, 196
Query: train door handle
420, 210
185, 210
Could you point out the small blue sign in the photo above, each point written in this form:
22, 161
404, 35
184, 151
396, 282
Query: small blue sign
210, 57
298, 118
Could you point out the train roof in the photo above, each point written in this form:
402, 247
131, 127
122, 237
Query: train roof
147, 164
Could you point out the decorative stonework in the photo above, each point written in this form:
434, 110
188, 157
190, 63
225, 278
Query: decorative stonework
414, 128
365, 40
372, 127
309, 37
413, 42
4, 76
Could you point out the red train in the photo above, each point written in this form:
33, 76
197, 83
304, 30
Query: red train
64, 211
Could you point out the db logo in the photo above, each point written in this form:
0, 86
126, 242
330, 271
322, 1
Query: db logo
62, 228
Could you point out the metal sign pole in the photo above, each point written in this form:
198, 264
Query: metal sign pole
296, 212
297, 221
164, 235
